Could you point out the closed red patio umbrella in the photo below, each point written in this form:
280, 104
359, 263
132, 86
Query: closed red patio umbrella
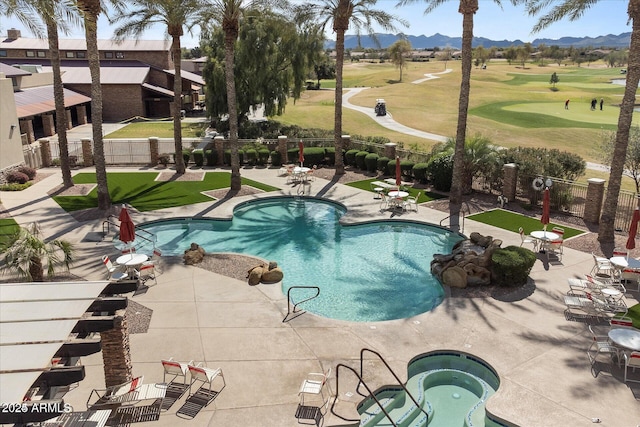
398, 172
545, 209
633, 230
301, 153
127, 228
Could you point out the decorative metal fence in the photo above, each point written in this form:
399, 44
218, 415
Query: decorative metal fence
627, 202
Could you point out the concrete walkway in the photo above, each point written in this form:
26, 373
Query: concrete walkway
546, 378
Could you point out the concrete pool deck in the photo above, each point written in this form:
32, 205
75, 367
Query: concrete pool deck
198, 315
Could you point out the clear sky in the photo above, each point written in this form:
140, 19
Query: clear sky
492, 22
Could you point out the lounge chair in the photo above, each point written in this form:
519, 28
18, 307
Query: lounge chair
204, 395
129, 393
177, 384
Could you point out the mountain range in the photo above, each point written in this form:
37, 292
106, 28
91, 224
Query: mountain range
438, 40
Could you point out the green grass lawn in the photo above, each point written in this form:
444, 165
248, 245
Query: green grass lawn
425, 196
159, 129
634, 314
141, 191
512, 221
8, 228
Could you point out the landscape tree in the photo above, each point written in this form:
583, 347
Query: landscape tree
55, 15
340, 14
606, 149
446, 55
511, 54
325, 69
398, 54
554, 79
574, 10
29, 250
176, 15
524, 53
467, 8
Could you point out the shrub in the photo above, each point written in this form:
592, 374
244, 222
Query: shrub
391, 167
17, 177
406, 166
198, 157
440, 170
420, 172
360, 155
15, 186
276, 158
212, 157
314, 155
382, 163
350, 157
55, 162
292, 155
371, 162
164, 159
510, 266
263, 156
330, 156
30, 172
252, 156
186, 155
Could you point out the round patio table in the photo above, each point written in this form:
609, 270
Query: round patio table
626, 337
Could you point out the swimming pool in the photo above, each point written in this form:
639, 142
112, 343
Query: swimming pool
366, 272
451, 386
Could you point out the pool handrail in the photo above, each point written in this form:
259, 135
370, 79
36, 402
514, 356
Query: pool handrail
107, 222
360, 381
295, 306
461, 213
392, 373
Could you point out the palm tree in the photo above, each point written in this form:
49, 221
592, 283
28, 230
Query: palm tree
574, 10
342, 13
176, 15
479, 155
55, 15
467, 8
91, 9
29, 251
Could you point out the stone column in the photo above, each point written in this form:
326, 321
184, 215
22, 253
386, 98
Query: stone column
26, 127
69, 120
218, 144
282, 149
390, 150
510, 181
48, 126
116, 353
45, 152
153, 150
595, 196
81, 111
346, 142
87, 152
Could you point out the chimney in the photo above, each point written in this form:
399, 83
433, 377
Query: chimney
13, 34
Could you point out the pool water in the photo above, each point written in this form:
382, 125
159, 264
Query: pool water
451, 387
366, 272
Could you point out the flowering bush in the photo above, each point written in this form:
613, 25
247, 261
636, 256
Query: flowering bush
17, 177
30, 172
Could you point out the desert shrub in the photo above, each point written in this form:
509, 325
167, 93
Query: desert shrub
198, 157
391, 167
15, 186
164, 159
55, 162
360, 156
381, 163
314, 155
510, 266
212, 157
420, 172
440, 171
252, 156
17, 177
276, 158
227, 157
330, 156
30, 172
350, 157
263, 156
186, 155
292, 155
371, 162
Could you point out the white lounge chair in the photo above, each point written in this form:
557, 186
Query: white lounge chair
129, 393
203, 396
177, 384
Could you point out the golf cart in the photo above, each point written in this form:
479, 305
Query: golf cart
381, 107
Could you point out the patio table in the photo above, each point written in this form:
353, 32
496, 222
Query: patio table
628, 338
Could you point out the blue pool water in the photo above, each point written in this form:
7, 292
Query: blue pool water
366, 272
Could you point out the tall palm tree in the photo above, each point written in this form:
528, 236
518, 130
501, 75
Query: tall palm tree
55, 15
91, 9
342, 13
177, 15
467, 8
574, 9
30, 250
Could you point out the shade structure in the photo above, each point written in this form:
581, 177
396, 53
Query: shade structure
127, 228
633, 230
398, 172
301, 153
546, 201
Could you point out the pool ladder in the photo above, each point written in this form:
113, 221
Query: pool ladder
371, 393
106, 229
463, 213
294, 310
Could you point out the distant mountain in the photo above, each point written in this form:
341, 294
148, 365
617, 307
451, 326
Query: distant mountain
438, 40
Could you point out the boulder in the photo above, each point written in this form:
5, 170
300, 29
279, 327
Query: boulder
254, 275
193, 255
455, 276
272, 276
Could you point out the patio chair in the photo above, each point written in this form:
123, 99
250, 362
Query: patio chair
313, 402
128, 250
412, 202
177, 385
602, 266
113, 272
619, 252
632, 361
621, 322
600, 344
203, 396
526, 239
384, 201
147, 272
126, 394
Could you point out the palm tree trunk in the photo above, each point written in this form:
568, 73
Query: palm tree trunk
35, 269
337, 121
468, 8
229, 42
58, 95
607, 219
91, 11
177, 104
